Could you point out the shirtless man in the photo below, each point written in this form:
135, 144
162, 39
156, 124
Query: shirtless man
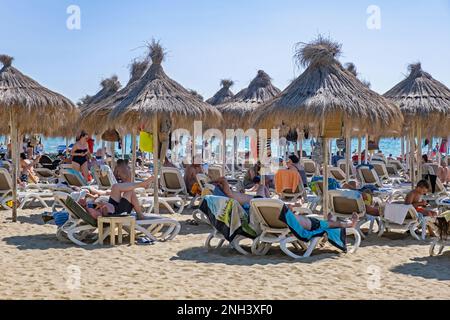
414, 198
122, 198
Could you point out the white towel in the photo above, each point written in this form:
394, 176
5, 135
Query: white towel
396, 213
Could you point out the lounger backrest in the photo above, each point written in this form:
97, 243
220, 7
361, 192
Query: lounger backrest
72, 178
202, 180
171, 180
5, 180
310, 166
391, 170
378, 168
214, 173
79, 211
368, 175
268, 212
6, 165
337, 173
344, 204
342, 166
43, 172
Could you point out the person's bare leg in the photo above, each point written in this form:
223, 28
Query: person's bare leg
341, 224
119, 188
85, 171
223, 183
76, 166
136, 205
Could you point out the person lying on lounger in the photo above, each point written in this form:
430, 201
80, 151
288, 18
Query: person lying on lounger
414, 198
311, 224
122, 198
225, 190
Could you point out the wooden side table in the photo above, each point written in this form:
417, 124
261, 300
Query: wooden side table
118, 222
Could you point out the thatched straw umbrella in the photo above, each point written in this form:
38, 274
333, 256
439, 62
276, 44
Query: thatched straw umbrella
237, 112
224, 95
326, 97
157, 100
196, 94
89, 106
95, 116
30, 108
425, 104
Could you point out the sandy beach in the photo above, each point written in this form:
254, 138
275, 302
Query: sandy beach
35, 265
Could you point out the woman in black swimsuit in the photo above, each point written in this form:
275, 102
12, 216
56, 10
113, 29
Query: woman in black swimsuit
80, 155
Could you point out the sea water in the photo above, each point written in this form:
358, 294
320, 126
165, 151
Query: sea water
387, 146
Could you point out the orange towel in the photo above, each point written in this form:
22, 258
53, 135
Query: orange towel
286, 179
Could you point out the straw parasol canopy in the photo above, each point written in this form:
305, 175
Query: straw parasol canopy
95, 114
38, 109
196, 94
223, 95
157, 95
89, 105
29, 108
422, 99
237, 113
326, 90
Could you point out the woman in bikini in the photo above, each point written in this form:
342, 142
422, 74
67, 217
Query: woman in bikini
80, 155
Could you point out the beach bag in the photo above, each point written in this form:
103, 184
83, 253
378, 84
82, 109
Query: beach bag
111, 135
60, 218
145, 141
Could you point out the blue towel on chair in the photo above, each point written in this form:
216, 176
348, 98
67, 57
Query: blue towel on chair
336, 236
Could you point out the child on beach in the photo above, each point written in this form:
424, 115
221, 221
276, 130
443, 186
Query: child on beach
414, 198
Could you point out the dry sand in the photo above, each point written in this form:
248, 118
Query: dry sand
35, 265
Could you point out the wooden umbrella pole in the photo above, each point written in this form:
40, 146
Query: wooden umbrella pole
402, 142
67, 147
366, 149
359, 149
113, 153
224, 153
156, 164
133, 156
347, 153
124, 141
325, 143
300, 135
411, 157
419, 151
14, 163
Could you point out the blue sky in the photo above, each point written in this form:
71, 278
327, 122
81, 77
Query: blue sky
208, 40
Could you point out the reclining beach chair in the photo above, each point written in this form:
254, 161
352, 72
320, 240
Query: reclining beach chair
380, 168
310, 167
399, 167
81, 223
265, 213
369, 176
73, 177
215, 172
338, 174
172, 183
401, 216
341, 164
46, 175
215, 234
103, 177
28, 196
344, 202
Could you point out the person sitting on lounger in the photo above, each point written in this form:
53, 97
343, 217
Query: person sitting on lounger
225, 190
27, 173
122, 198
260, 189
414, 198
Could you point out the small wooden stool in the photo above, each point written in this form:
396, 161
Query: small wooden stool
118, 222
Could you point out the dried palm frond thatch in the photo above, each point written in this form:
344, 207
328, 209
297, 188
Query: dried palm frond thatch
94, 118
38, 109
422, 98
237, 113
224, 94
157, 95
196, 94
326, 90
